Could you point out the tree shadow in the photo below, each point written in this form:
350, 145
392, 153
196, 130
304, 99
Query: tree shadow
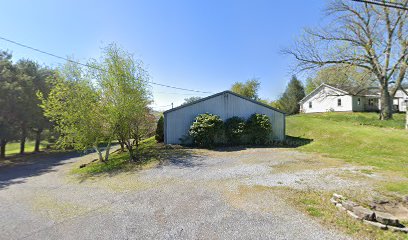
289, 142
150, 156
20, 168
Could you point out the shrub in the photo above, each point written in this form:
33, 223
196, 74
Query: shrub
234, 130
205, 129
160, 130
258, 129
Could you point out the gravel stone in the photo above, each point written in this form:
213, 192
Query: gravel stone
195, 197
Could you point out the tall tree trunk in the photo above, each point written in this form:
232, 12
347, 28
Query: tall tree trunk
23, 139
386, 104
99, 153
107, 151
37, 140
129, 147
122, 145
3, 143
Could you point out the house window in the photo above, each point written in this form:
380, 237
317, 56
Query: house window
339, 102
310, 104
358, 101
370, 102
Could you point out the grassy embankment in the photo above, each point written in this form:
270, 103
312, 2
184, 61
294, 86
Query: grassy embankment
361, 139
358, 138
151, 153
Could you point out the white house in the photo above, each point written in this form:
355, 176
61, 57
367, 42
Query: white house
227, 104
327, 98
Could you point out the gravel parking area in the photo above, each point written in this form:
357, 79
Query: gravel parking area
208, 195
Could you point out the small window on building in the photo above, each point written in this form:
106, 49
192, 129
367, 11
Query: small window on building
358, 101
310, 105
370, 102
339, 102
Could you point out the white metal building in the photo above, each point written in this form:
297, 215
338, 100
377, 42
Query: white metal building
177, 121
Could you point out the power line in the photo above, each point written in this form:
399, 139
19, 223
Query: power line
174, 93
385, 4
89, 66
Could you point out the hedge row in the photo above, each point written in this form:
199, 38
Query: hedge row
208, 130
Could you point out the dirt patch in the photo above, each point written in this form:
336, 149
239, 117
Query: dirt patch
56, 209
306, 163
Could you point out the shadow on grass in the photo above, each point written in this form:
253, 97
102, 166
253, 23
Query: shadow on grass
151, 155
289, 142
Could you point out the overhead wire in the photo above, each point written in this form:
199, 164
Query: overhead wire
90, 66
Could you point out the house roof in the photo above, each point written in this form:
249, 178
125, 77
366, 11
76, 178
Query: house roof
218, 94
320, 87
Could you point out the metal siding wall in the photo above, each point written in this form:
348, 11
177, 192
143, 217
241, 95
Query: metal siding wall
226, 105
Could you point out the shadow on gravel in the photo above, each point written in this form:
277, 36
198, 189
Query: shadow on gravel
151, 155
289, 142
23, 167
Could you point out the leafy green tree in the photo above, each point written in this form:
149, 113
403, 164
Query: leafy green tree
74, 105
160, 130
125, 96
31, 78
190, 100
248, 89
351, 79
289, 102
276, 104
39, 122
9, 97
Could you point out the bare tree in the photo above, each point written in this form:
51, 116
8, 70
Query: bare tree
371, 37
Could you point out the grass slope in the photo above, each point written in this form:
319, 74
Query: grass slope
151, 153
357, 138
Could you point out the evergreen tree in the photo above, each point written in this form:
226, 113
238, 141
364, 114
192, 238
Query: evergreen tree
160, 130
294, 92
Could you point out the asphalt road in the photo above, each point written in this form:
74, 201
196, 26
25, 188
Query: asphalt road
215, 196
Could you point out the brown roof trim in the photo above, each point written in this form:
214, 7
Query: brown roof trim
220, 93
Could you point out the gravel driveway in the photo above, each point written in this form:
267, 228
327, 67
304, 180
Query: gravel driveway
207, 195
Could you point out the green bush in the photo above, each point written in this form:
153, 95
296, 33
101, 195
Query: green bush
160, 130
234, 130
258, 129
206, 129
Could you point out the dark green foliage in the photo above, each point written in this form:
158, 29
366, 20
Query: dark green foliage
234, 130
289, 102
160, 130
20, 114
258, 129
190, 100
206, 129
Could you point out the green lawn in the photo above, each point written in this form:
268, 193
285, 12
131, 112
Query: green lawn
14, 147
361, 119
358, 138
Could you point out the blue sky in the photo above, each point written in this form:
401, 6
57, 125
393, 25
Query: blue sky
202, 45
